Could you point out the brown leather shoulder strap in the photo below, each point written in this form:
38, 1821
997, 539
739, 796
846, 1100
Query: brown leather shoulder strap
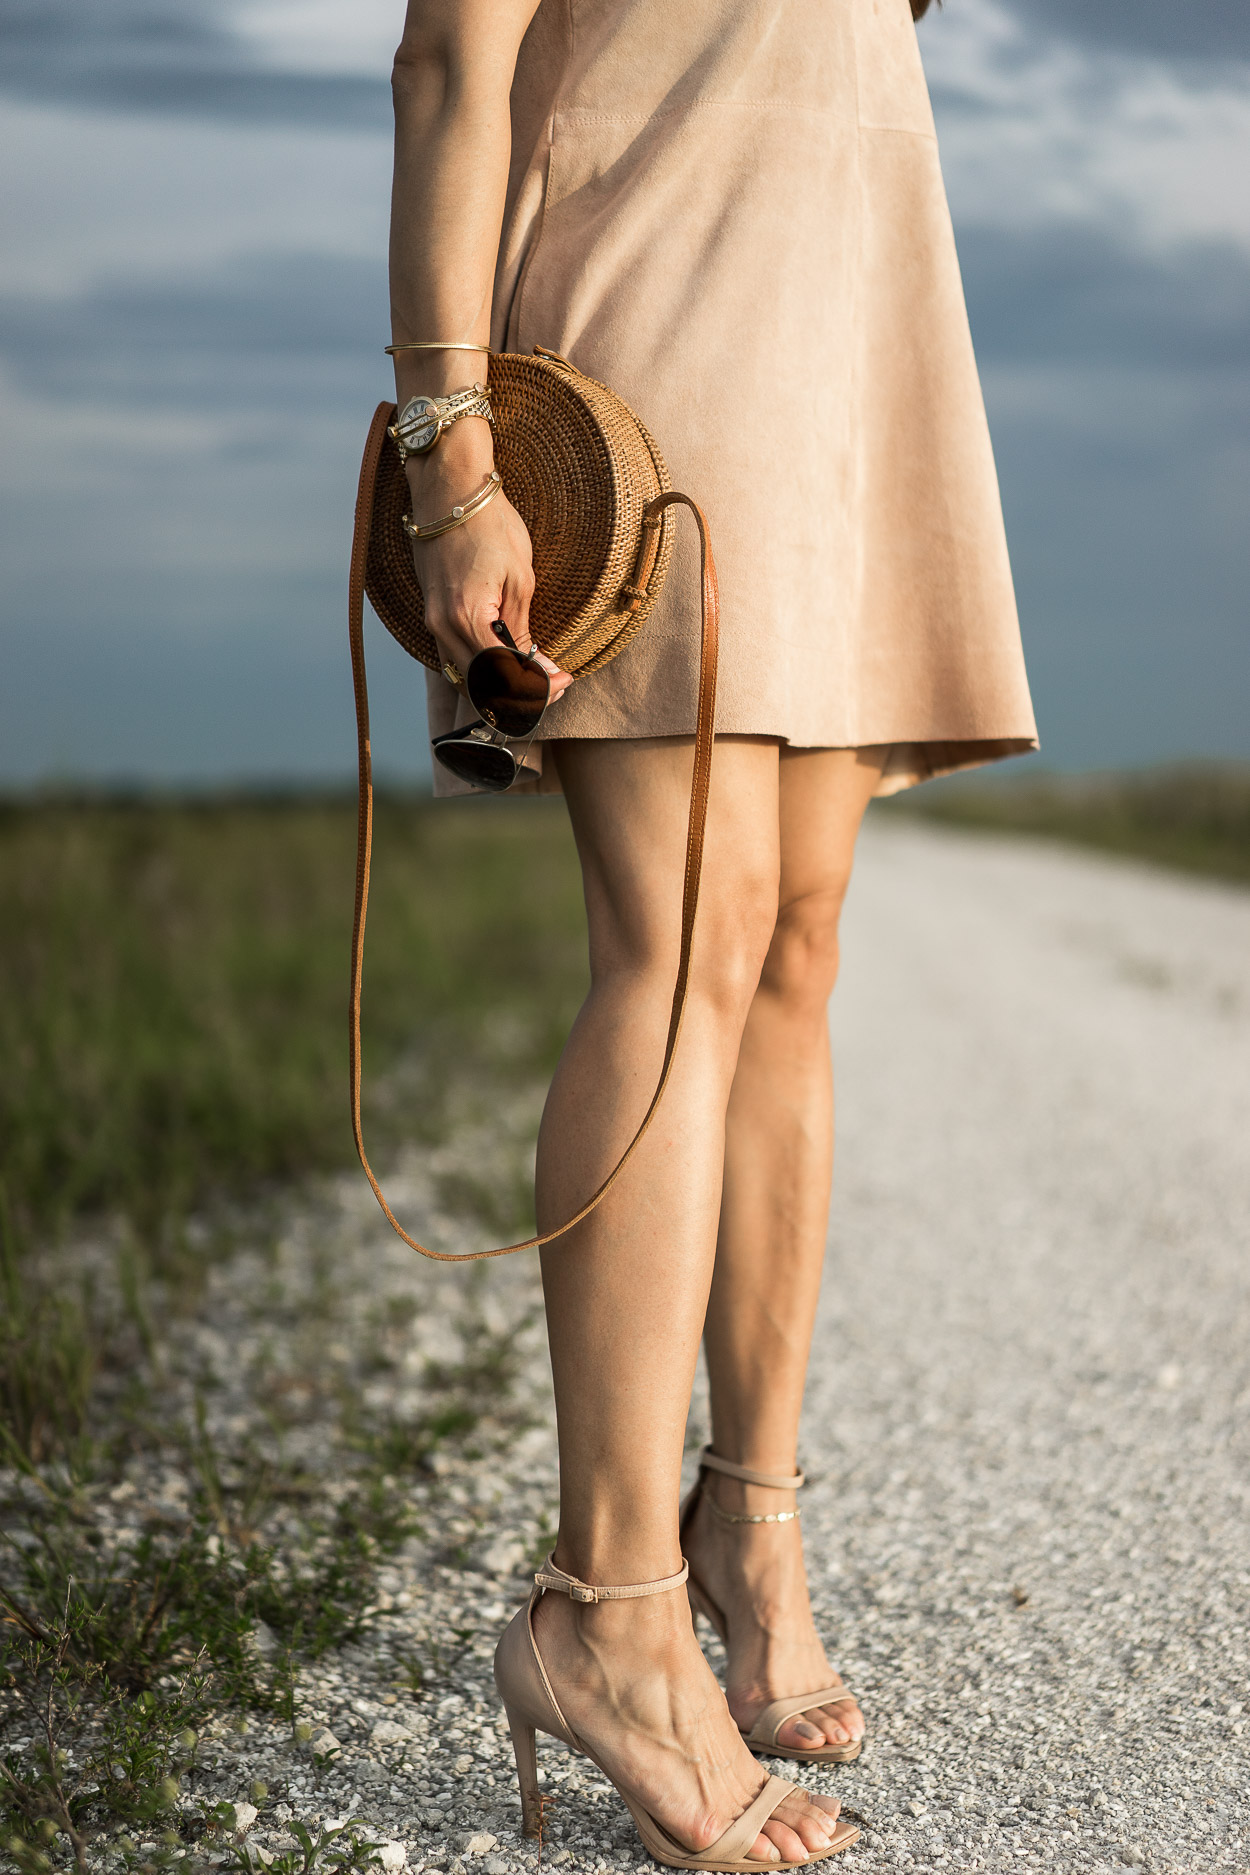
703, 742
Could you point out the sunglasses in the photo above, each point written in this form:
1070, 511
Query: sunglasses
511, 691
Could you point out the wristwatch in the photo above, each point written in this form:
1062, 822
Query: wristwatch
423, 419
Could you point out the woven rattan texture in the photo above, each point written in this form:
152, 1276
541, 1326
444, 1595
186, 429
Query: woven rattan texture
579, 468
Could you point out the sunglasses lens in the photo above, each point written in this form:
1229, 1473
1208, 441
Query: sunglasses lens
480, 763
510, 691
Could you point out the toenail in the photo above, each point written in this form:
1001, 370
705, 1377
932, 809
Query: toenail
806, 1730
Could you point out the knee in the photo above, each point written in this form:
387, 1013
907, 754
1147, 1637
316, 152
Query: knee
802, 963
637, 951
731, 944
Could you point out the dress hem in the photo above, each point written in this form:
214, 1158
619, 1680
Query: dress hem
906, 766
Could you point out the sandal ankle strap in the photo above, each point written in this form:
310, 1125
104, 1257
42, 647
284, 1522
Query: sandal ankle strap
708, 1461
552, 1577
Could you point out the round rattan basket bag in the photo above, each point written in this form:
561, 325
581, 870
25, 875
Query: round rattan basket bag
580, 470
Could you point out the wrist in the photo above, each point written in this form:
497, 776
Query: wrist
460, 458
436, 374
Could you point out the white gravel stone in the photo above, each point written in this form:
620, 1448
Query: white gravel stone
389, 1732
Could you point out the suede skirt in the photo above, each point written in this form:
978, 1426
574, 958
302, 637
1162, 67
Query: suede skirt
732, 211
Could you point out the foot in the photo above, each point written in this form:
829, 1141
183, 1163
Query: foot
754, 1573
633, 1683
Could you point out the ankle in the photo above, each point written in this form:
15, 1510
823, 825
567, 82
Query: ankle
603, 1556
738, 1500
654, 1629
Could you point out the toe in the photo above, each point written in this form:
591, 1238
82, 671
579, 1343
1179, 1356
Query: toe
788, 1845
803, 1826
801, 1732
815, 1828
811, 1730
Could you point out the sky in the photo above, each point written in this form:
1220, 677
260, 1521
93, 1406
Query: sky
193, 208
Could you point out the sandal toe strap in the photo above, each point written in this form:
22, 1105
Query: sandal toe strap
735, 1844
770, 1721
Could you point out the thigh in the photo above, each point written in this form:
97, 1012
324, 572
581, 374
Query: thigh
822, 795
629, 803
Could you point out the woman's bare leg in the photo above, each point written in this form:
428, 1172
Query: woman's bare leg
774, 1219
626, 1292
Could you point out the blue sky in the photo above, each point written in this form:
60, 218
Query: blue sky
193, 298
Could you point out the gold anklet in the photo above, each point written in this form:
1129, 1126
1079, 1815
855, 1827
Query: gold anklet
737, 1516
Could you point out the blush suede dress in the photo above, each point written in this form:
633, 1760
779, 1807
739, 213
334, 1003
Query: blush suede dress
732, 212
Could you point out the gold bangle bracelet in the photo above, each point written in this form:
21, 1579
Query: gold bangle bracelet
436, 345
462, 512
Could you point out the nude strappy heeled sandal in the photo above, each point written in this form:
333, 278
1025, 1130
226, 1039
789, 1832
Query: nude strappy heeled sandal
763, 1733
530, 1702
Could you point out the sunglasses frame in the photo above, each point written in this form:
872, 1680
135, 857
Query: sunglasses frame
483, 734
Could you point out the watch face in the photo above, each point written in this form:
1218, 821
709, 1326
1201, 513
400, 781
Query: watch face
418, 424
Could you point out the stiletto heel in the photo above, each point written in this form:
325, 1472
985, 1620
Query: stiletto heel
525, 1748
766, 1725
530, 1702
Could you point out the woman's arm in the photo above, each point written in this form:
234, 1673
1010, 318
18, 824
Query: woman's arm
452, 79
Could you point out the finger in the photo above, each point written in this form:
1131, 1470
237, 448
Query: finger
560, 680
473, 618
454, 647
514, 609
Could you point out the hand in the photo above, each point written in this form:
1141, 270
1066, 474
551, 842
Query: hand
480, 571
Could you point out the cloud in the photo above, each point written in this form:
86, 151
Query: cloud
1202, 30
1068, 293
151, 198
200, 58
1037, 128
227, 338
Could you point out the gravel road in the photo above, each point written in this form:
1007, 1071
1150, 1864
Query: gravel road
1029, 1415
1026, 1432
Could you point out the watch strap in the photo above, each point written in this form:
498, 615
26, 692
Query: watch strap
420, 414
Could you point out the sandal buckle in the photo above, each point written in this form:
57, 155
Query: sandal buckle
582, 1592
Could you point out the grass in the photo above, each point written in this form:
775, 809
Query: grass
174, 984
1194, 817
119, 1649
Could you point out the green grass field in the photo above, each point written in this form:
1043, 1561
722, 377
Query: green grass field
1194, 817
174, 988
